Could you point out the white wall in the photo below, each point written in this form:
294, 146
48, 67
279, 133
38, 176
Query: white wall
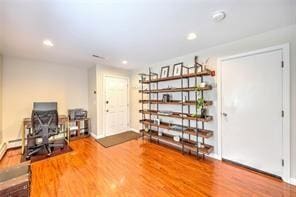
100, 72
92, 99
276, 37
26, 81
1, 80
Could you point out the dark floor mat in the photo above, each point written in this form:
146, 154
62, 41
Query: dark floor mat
118, 138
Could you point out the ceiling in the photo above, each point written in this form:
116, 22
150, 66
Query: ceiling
139, 31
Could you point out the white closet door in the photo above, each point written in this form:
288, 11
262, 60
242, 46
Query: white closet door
116, 105
251, 111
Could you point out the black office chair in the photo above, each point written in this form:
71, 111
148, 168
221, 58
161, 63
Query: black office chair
44, 125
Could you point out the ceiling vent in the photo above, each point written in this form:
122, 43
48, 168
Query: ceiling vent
99, 57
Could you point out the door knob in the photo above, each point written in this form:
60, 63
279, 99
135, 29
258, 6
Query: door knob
224, 114
107, 102
107, 110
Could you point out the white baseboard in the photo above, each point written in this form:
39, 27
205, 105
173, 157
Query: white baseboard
93, 135
292, 181
135, 130
96, 136
214, 156
3, 149
100, 136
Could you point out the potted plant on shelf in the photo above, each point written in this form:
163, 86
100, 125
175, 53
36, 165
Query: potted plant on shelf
200, 104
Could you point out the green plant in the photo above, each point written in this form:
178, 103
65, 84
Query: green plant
200, 102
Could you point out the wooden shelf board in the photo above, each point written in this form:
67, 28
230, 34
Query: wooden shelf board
199, 74
208, 87
174, 102
76, 120
79, 137
201, 133
191, 131
177, 115
189, 145
162, 125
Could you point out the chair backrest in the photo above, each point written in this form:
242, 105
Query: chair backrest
44, 114
45, 106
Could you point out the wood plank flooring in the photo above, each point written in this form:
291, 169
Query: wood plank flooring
141, 168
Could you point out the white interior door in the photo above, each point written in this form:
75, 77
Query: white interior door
116, 105
251, 90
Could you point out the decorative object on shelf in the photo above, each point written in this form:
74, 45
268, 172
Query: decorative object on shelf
176, 138
166, 98
198, 66
165, 113
177, 69
204, 64
207, 61
200, 102
184, 98
77, 114
203, 84
146, 128
170, 123
213, 73
177, 127
164, 71
200, 145
156, 121
183, 115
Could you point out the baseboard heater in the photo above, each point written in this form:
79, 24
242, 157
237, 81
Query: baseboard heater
15, 143
3, 150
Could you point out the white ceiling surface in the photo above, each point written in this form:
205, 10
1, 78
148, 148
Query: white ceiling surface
140, 31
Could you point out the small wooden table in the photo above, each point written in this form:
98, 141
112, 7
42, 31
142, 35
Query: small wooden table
63, 122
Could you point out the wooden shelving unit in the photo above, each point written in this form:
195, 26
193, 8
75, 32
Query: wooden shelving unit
79, 132
195, 123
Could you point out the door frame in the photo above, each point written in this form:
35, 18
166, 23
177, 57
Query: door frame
286, 103
104, 99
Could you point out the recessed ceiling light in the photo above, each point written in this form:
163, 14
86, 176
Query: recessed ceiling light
218, 16
48, 43
124, 62
191, 36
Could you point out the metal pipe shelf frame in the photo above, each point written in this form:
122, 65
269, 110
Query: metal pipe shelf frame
153, 78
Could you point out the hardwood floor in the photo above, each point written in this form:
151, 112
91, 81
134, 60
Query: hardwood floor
140, 168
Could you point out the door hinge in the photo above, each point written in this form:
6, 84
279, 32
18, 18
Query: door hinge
282, 64
283, 113
283, 162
